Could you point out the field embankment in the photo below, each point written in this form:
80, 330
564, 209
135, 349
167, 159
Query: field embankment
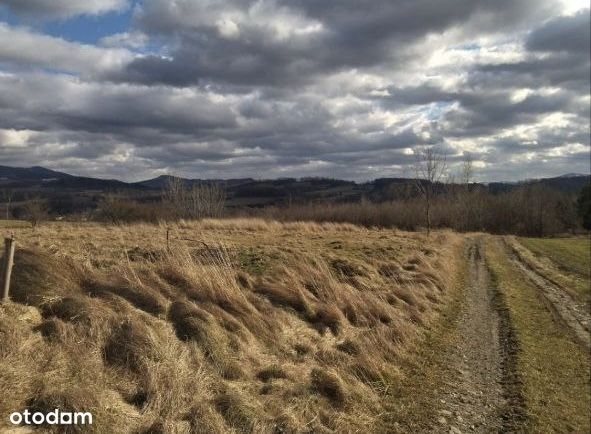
229, 326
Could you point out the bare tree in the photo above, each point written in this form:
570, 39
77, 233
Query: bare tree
7, 196
175, 195
430, 169
195, 201
206, 200
465, 197
35, 211
467, 169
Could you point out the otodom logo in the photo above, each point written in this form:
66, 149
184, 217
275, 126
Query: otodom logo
55, 417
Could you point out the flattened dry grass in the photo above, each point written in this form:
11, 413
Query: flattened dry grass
184, 340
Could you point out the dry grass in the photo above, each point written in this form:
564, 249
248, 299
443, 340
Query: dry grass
197, 339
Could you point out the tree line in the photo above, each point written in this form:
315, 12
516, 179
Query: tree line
432, 199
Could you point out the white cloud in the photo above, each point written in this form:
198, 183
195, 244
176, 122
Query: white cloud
132, 40
24, 48
15, 138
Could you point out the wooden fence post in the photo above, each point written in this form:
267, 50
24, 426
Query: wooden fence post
9, 245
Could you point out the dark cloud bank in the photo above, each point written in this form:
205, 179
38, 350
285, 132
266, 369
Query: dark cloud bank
296, 88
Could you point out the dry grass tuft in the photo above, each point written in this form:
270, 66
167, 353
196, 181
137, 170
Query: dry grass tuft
73, 400
349, 346
285, 297
130, 346
191, 339
327, 317
69, 309
271, 372
238, 411
52, 329
329, 385
188, 320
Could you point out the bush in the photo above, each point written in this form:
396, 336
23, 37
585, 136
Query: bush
120, 209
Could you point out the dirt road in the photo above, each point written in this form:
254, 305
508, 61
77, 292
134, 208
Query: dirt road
482, 393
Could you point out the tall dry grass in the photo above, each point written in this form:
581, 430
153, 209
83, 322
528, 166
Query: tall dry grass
182, 340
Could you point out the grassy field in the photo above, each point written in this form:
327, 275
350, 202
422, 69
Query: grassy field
565, 260
229, 326
570, 254
13, 224
554, 370
249, 325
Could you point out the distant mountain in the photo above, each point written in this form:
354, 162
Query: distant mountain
47, 179
245, 191
35, 173
571, 175
154, 183
569, 183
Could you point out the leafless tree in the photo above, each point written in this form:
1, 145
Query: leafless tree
206, 200
35, 211
7, 196
195, 201
175, 195
430, 169
467, 169
466, 198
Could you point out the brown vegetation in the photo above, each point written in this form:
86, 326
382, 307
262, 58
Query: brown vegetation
196, 341
528, 210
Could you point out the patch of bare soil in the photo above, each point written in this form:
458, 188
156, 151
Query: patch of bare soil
482, 393
566, 309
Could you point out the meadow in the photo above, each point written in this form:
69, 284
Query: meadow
248, 325
233, 325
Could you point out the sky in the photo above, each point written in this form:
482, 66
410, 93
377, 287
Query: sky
349, 89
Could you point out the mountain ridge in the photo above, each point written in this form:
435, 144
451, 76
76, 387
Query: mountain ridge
240, 192
16, 173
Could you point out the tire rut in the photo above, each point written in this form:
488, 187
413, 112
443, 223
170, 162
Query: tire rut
570, 313
483, 393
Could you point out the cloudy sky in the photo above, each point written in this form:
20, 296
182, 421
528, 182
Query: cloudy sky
274, 88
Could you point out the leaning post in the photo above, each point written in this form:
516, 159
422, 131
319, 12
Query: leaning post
9, 246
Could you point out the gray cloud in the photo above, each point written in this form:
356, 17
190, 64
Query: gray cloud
286, 43
275, 88
566, 33
44, 9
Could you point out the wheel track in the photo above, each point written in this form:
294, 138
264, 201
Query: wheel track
567, 311
484, 391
